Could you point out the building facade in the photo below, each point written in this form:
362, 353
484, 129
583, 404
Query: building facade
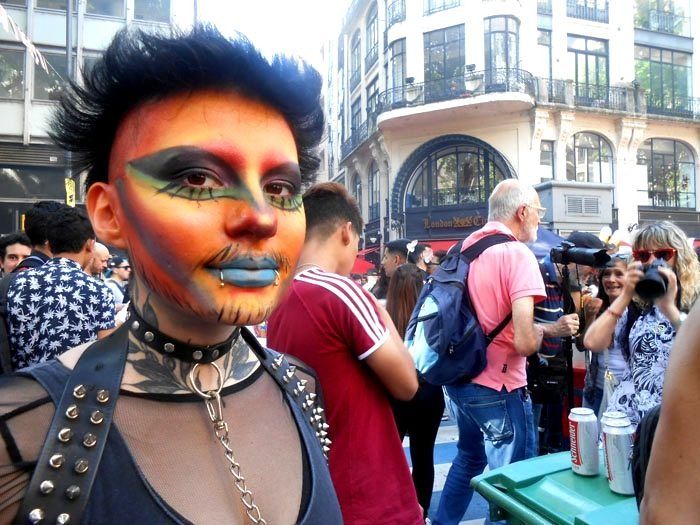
432, 102
31, 168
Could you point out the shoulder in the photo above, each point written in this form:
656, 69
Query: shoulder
337, 288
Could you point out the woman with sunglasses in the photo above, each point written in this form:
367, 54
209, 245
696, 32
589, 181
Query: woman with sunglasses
650, 336
614, 359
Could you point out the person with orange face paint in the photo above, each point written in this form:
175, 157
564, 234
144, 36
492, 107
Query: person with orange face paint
196, 150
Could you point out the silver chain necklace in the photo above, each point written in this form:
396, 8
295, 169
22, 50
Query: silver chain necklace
212, 400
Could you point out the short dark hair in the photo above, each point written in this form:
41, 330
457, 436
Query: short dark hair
37, 218
398, 247
415, 256
13, 238
328, 205
68, 230
139, 67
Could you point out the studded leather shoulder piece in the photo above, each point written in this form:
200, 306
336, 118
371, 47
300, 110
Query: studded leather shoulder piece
285, 376
60, 486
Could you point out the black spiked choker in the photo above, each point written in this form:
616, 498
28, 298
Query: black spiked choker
165, 345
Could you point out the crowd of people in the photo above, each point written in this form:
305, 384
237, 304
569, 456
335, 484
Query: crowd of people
216, 227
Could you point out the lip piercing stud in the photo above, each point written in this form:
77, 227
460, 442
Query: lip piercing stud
221, 278
277, 279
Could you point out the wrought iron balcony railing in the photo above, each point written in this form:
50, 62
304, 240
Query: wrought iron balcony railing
584, 11
601, 96
544, 7
684, 107
463, 86
664, 22
395, 12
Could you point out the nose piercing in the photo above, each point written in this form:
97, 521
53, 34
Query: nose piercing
277, 279
221, 278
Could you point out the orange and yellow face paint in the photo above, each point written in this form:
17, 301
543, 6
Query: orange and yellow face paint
209, 192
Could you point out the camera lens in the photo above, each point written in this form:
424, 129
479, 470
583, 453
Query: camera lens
653, 285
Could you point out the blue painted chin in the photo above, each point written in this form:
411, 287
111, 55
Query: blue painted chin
248, 278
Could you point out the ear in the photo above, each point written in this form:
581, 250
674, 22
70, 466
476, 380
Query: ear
89, 246
346, 233
102, 204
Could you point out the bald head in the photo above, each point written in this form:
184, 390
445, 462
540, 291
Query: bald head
100, 260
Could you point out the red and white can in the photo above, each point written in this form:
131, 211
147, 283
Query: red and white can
583, 436
618, 435
608, 415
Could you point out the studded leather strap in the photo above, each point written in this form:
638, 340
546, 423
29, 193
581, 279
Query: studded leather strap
285, 376
60, 486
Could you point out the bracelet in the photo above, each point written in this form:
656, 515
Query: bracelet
614, 314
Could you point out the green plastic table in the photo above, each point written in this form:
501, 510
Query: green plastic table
544, 490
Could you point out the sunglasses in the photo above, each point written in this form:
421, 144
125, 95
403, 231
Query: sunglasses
662, 253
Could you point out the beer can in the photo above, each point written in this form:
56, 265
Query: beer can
608, 415
617, 442
583, 436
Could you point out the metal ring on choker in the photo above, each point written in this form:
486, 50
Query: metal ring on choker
165, 345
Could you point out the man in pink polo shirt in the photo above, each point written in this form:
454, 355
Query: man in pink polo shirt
494, 410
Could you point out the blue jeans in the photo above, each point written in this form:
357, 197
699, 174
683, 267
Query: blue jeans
495, 428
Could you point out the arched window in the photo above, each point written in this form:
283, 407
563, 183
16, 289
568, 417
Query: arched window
355, 60
373, 191
589, 159
457, 175
372, 37
356, 189
670, 176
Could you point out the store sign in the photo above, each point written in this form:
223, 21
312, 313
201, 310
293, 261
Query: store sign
469, 221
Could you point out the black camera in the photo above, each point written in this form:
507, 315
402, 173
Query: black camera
567, 253
653, 284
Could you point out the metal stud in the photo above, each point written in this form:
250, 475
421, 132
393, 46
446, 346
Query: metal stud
197, 355
96, 417
289, 373
57, 460
46, 487
321, 434
36, 516
326, 450
325, 426
79, 392
169, 347
215, 354
65, 435
148, 337
81, 466
102, 396
72, 492
135, 325
311, 397
318, 410
63, 519
277, 362
72, 412
89, 440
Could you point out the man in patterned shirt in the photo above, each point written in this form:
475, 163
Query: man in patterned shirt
57, 306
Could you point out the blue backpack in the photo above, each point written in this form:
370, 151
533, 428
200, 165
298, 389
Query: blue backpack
443, 334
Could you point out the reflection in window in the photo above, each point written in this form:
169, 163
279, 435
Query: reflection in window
443, 63
32, 183
357, 190
55, 4
89, 62
396, 73
589, 159
670, 173
666, 76
373, 190
588, 60
49, 86
546, 160
372, 37
12, 73
501, 42
105, 7
462, 175
355, 60
155, 10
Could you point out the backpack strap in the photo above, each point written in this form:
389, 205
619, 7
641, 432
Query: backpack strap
5, 356
70, 457
472, 253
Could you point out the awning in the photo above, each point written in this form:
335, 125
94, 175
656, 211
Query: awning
361, 266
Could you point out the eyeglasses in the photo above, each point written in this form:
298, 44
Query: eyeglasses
662, 253
124, 267
540, 211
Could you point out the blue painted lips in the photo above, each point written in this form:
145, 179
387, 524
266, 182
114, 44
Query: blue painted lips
248, 272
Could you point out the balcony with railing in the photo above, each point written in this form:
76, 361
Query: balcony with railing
585, 11
395, 12
435, 6
663, 22
469, 85
601, 96
544, 7
673, 106
358, 136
